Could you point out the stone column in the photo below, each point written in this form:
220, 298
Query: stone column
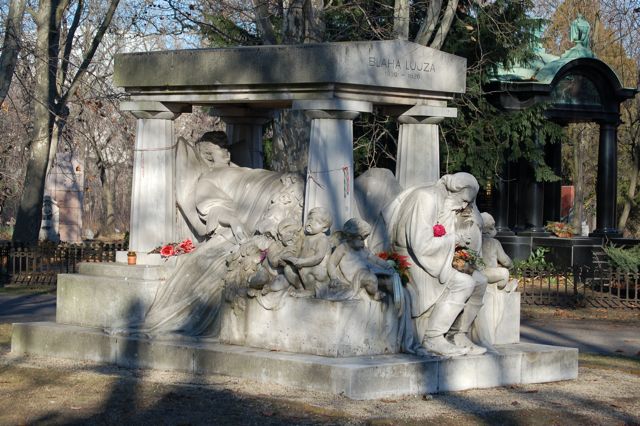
244, 130
330, 167
533, 199
501, 205
153, 205
606, 184
418, 157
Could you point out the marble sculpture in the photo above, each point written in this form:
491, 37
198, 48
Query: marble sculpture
252, 244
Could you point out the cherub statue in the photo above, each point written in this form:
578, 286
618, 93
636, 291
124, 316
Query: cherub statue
497, 262
276, 274
310, 267
352, 263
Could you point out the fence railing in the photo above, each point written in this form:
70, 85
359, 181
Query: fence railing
40, 264
577, 286
580, 286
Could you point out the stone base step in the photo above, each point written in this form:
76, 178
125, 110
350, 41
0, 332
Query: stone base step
365, 377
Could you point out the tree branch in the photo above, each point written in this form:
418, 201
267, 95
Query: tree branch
88, 57
68, 44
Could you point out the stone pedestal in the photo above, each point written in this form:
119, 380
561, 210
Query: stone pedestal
108, 295
364, 377
355, 336
314, 326
153, 205
498, 321
330, 167
418, 158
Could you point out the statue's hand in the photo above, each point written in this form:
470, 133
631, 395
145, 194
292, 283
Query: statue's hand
461, 240
292, 260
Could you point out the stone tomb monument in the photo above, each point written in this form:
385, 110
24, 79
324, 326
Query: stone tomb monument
368, 287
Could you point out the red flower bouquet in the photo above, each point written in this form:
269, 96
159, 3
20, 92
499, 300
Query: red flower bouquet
175, 249
439, 230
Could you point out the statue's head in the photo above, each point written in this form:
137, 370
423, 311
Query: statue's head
462, 189
212, 148
356, 231
318, 221
289, 230
488, 225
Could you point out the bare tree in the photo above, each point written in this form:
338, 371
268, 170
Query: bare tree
11, 46
55, 85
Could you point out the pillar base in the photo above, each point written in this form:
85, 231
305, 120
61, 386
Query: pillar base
606, 233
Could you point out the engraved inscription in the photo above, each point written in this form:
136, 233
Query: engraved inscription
395, 67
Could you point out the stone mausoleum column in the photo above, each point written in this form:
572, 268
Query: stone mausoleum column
418, 157
330, 166
153, 204
244, 130
606, 182
533, 199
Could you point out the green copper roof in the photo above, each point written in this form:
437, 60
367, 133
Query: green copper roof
544, 66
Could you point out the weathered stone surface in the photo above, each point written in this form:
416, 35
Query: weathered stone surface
366, 377
390, 64
418, 155
104, 301
315, 326
62, 341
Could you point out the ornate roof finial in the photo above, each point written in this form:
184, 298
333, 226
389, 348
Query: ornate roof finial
580, 32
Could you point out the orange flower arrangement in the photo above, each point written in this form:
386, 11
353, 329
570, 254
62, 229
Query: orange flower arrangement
399, 262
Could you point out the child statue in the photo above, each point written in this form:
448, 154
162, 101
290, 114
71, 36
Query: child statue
310, 268
353, 264
276, 274
497, 262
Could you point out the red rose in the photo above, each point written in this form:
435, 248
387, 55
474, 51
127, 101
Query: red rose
167, 251
187, 245
438, 230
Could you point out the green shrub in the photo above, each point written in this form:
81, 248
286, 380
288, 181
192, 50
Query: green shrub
624, 259
536, 261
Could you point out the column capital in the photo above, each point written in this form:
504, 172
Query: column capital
153, 110
427, 114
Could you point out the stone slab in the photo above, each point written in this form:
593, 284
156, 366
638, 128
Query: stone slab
366, 377
123, 270
389, 64
104, 301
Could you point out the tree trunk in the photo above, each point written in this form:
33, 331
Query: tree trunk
401, 19
631, 193
11, 46
108, 203
292, 129
30, 210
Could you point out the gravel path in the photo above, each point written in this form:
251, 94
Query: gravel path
39, 390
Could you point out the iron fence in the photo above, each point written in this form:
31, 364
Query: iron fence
579, 287
40, 264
